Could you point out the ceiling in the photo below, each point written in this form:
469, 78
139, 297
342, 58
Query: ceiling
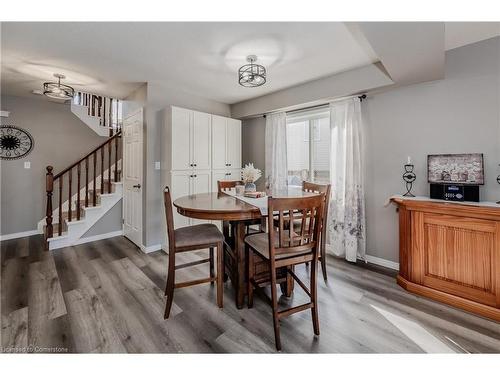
197, 58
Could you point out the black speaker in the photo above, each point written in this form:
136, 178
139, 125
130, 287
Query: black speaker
452, 192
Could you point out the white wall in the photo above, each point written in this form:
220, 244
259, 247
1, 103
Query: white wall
60, 139
459, 114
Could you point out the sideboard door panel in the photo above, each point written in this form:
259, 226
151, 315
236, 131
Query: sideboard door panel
458, 256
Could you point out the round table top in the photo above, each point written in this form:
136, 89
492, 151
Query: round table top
215, 206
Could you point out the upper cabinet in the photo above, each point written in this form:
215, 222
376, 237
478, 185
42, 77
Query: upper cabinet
190, 139
226, 143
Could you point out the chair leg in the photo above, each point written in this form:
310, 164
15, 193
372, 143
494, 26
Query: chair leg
169, 289
211, 256
250, 273
323, 258
314, 299
220, 274
274, 300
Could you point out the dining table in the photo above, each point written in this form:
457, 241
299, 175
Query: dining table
237, 210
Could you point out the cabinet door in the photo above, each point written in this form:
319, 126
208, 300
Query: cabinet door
233, 174
219, 159
201, 140
218, 175
181, 129
233, 143
200, 184
180, 186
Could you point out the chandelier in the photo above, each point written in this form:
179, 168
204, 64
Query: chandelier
252, 75
56, 90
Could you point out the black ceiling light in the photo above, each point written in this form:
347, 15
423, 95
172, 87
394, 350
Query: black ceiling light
252, 75
56, 90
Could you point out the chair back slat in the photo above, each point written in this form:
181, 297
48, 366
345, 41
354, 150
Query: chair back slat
283, 239
170, 218
326, 190
227, 185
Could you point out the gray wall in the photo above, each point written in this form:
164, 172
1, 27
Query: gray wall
154, 99
60, 138
457, 114
454, 115
253, 150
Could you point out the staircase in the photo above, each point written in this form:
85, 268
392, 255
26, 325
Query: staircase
102, 114
84, 192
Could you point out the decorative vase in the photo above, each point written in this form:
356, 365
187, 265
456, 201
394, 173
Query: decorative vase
250, 187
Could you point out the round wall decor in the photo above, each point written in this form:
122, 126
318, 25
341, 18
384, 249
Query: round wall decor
15, 142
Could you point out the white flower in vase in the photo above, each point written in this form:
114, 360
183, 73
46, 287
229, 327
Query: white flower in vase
250, 175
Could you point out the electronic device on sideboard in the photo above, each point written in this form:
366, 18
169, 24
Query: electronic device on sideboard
455, 177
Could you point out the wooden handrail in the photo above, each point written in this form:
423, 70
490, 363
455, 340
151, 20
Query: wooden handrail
51, 179
88, 155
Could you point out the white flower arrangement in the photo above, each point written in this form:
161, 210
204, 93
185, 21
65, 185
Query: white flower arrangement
250, 173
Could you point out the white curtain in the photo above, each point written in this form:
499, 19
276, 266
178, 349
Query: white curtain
276, 158
346, 222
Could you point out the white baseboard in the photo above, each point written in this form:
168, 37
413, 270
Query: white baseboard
99, 237
152, 248
382, 262
11, 236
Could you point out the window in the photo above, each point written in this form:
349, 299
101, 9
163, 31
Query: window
308, 147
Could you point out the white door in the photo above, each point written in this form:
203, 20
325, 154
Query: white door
200, 183
181, 138
233, 143
132, 177
219, 160
201, 140
180, 186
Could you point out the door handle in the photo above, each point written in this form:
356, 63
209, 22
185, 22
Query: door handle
138, 186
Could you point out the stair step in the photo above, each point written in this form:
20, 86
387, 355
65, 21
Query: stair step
65, 215
55, 230
97, 202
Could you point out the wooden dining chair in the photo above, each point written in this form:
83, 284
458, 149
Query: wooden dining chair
325, 189
282, 248
195, 237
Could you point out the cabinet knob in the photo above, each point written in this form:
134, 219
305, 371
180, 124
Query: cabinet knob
194, 165
194, 176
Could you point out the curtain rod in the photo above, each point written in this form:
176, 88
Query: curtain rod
361, 98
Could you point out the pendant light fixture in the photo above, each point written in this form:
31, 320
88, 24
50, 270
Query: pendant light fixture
56, 90
252, 75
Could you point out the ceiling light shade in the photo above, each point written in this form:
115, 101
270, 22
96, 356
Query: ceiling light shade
56, 90
252, 75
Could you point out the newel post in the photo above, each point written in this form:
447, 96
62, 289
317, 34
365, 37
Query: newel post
49, 184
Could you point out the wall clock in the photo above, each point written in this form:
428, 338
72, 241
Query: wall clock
15, 142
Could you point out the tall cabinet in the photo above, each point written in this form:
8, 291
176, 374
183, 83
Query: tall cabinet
198, 149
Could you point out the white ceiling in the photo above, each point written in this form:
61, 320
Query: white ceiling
458, 34
199, 58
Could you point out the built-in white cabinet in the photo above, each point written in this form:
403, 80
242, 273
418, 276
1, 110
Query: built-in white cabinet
191, 139
226, 144
198, 149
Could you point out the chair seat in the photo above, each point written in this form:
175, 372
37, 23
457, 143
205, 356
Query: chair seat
197, 235
260, 243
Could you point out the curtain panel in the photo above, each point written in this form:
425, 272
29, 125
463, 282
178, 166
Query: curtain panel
276, 155
346, 222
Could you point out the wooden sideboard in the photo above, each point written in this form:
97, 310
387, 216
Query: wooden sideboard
450, 252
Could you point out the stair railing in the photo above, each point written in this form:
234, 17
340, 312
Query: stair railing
108, 110
91, 171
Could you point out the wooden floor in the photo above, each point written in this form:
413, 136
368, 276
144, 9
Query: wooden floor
107, 296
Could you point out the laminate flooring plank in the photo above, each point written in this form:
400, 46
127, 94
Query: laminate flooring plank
15, 330
91, 324
14, 277
138, 332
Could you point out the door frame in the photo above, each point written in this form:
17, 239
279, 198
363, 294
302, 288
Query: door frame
134, 113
